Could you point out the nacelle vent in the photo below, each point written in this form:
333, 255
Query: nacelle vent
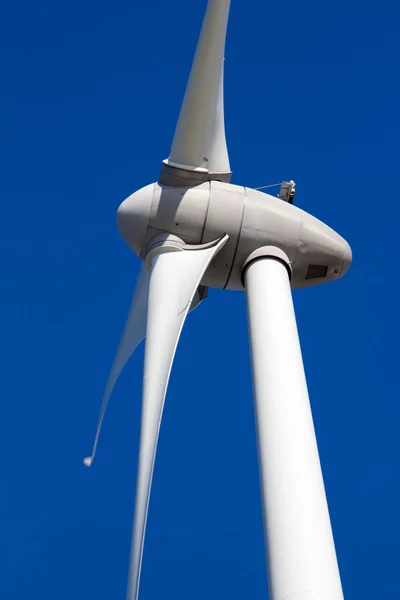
316, 271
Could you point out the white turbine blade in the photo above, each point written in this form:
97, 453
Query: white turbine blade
219, 160
174, 278
199, 143
134, 332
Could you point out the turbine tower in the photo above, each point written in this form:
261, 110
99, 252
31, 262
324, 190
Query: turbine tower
193, 229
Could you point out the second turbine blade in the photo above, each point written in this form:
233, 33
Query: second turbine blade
175, 275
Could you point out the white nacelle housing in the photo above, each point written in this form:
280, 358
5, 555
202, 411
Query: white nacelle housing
251, 218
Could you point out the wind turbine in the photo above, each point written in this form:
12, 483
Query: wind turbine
193, 229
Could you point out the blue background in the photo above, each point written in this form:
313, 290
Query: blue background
90, 93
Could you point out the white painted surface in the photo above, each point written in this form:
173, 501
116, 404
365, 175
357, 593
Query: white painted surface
134, 332
199, 142
175, 275
251, 219
301, 558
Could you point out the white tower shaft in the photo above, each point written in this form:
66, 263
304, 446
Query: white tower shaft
301, 558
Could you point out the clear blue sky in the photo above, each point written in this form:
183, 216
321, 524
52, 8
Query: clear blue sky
90, 93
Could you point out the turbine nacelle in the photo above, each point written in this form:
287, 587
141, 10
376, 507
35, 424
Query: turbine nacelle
251, 218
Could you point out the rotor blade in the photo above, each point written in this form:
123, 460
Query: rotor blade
134, 332
199, 143
174, 278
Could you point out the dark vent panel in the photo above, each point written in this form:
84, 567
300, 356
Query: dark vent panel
316, 271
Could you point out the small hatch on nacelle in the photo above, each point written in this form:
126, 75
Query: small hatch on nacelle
316, 271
